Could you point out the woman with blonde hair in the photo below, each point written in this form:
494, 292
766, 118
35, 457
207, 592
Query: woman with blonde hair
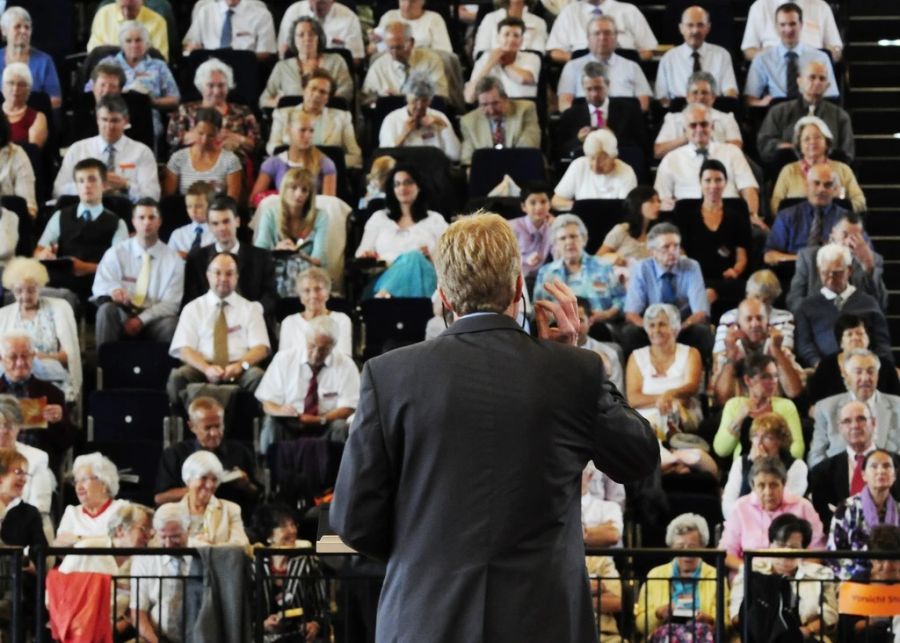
293, 223
301, 153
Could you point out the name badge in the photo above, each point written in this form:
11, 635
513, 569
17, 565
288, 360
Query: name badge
234, 329
127, 166
332, 394
129, 280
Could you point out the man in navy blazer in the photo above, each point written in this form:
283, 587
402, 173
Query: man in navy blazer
463, 465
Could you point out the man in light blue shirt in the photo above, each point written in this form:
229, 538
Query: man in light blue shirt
773, 73
667, 277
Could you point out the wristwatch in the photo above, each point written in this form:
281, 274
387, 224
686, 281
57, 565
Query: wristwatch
245, 366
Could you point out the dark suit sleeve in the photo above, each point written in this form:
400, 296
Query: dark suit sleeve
194, 283
625, 446
799, 281
878, 332
169, 474
769, 137
362, 512
567, 133
804, 339
820, 479
268, 295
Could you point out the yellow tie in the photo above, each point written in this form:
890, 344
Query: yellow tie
143, 282
220, 337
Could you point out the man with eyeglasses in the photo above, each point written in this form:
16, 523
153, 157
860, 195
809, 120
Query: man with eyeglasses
837, 477
678, 176
861, 368
816, 315
498, 121
48, 428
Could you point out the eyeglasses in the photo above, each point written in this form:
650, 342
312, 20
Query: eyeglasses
404, 183
22, 473
703, 124
86, 479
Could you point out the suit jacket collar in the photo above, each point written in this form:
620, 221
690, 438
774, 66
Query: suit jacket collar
479, 323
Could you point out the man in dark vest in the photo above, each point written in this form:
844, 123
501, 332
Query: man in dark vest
81, 233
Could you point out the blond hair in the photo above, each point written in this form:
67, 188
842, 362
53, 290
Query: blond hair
297, 176
478, 262
772, 424
311, 157
22, 269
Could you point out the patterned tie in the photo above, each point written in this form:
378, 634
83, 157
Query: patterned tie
499, 133
856, 482
791, 78
174, 599
220, 337
311, 401
696, 56
143, 282
667, 288
703, 153
198, 235
598, 116
225, 39
838, 302
597, 11
86, 216
110, 158
816, 228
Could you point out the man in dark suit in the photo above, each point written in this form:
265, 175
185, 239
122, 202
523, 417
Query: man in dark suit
867, 271
19, 381
816, 315
464, 463
257, 272
837, 478
516, 121
622, 115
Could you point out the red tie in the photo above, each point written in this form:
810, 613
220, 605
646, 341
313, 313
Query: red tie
499, 132
600, 122
311, 401
856, 482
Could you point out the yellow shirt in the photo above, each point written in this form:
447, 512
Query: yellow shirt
655, 593
108, 19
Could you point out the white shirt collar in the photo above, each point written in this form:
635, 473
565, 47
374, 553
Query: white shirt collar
234, 249
851, 454
830, 295
213, 298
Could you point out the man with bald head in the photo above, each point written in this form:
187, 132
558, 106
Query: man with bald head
830, 436
777, 130
839, 476
773, 73
693, 55
751, 333
808, 223
388, 72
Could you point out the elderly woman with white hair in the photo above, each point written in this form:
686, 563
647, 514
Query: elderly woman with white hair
48, 321
678, 599
813, 142
599, 174
16, 27
240, 130
588, 276
96, 485
143, 72
213, 521
662, 380
26, 124
417, 124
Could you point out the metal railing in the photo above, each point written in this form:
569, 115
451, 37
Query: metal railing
11, 571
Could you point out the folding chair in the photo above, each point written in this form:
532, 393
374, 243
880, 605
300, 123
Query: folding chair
599, 216
16, 204
125, 415
133, 364
490, 165
394, 322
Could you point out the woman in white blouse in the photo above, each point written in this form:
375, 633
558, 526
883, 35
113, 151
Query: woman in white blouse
314, 289
417, 124
428, 28
96, 485
518, 70
403, 235
596, 175
535, 37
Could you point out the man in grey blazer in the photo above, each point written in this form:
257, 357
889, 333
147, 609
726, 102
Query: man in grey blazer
516, 119
463, 465
861, 368
867, 267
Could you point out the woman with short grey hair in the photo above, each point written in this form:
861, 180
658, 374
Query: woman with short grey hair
599, 174
96, 485
16, 26
213, 521
417, 124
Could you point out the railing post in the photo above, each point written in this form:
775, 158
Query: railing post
16, 624
721, 579
259, 571
40, 564
745, 608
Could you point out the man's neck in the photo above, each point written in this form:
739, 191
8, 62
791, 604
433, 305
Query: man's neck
226, 246
146, 242
89, 205
861, 449
812, 100
110, 141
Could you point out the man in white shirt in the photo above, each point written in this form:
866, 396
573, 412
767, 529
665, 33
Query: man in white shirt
701, 88
568, 31
130, 166
694, 55
678, 175
819, 27
157, 601
340, 23
388, 72
309, 391
221, 337
139, 283
625, 76
233, 24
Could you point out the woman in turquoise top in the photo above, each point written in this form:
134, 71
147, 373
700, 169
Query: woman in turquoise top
293, 223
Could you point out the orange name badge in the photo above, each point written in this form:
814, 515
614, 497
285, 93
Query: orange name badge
863, 599
127, 166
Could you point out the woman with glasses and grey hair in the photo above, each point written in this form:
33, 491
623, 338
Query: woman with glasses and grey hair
96, 485
417, 124
678, 600
16, 27
599, 174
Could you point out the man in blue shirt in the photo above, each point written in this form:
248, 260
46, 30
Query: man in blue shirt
773, 73
807, 223
667, 277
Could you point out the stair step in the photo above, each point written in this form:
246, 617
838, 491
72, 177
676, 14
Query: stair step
877, 145
872, 50
873, 27
894, 329
883, 222
872, 96
872, 73
892, 279
875, 120
881, 195
877, 169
